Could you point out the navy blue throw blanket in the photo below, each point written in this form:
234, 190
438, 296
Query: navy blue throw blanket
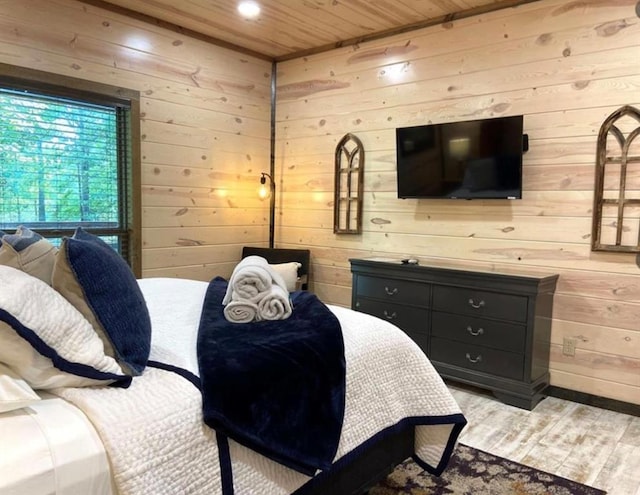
277, 387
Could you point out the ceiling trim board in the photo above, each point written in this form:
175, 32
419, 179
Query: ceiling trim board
404, 29
483, 9
174, 27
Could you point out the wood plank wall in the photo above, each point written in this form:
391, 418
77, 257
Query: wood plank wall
565, 66
205, 125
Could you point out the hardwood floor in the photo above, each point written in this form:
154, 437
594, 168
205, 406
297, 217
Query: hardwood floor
597, 447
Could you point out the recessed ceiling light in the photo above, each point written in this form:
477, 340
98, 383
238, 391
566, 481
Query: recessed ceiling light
249, 9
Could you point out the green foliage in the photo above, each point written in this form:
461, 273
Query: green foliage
58, 161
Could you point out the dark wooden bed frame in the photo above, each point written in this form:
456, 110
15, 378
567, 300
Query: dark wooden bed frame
277, 255
361, 470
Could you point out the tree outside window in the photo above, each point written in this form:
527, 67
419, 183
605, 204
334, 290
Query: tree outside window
67, 160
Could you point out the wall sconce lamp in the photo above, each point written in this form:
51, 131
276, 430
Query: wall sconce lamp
265, 192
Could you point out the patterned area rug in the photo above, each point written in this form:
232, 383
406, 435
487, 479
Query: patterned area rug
474, 472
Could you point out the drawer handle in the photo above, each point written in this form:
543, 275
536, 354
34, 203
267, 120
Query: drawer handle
391, 292
389, 316
473, 304
475, 333
472, 360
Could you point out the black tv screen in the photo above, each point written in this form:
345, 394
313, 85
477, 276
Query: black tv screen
461, 160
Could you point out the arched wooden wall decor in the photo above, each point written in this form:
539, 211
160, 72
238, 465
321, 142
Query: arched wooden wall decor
616, 200
349, 184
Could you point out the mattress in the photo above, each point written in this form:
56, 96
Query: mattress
51, 447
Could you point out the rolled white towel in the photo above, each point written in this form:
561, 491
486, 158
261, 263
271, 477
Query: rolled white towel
241, 311
275, 304
252, 277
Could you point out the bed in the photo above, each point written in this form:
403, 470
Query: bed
143, 432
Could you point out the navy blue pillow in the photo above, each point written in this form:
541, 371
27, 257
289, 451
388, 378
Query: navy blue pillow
99, 283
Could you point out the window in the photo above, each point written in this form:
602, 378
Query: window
68, 158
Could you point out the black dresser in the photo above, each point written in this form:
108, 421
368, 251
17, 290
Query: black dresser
488, 329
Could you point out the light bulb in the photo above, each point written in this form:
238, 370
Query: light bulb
263, 192
249, 9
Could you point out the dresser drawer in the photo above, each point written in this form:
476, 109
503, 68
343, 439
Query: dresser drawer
487, 329
391, 289
477, 358
480, 303
479, 331
408, 318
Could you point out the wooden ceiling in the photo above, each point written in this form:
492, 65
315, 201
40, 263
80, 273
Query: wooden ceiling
291, 28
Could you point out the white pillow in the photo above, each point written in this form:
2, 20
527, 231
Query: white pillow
15, 393
289, 273
46, 341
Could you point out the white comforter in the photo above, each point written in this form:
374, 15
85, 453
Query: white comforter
158, 444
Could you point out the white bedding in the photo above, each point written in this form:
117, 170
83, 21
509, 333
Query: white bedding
50, 447
154, 433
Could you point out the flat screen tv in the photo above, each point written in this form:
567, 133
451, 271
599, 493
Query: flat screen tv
462, 160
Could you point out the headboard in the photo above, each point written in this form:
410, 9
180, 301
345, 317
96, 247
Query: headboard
277, 255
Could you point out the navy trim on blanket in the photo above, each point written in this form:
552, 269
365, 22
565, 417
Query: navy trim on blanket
187, 375
277, 387
458, 421
78, 369
457, 428
226, 468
